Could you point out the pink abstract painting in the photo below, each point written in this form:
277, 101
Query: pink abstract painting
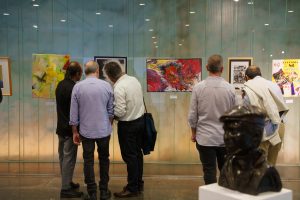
165, 75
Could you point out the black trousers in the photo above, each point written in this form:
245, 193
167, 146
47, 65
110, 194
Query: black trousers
130, 138
208, 157
88, 146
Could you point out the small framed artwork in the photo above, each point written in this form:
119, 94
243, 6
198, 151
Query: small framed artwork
237, 67
5, 76
102, 60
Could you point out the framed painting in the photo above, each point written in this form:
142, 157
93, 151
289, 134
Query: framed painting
237, 67
102, 60
286, 73
173, 75
5, 76
47, 71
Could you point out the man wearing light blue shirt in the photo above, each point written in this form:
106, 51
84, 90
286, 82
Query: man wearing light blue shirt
92, 110
211, 98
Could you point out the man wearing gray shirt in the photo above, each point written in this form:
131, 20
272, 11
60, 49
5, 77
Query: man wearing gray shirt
211, 98
92, 109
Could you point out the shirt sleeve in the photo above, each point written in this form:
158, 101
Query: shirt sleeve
110, 104
74, 114
120, 102
1, 97
193, 112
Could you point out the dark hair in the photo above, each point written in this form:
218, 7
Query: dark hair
253, 71
215, 63
73, 69
113, 70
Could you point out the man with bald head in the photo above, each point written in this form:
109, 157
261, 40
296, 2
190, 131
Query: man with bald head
92, 110
267, 95
211, 98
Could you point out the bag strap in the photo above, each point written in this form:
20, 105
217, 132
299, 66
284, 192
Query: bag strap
145, 105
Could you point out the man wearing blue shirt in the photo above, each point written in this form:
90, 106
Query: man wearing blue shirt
92, 109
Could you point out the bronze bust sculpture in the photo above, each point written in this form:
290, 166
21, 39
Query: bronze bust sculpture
246, 169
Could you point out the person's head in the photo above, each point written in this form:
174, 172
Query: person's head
215, 64
251, 72
74, 71
113, 70
243, 129
91, 68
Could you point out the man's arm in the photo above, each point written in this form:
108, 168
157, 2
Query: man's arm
74, 116
1, 97
193, 115
120, 102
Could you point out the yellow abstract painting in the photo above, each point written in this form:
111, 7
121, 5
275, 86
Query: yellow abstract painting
47, 71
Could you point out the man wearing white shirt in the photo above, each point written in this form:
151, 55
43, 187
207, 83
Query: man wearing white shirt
128, 110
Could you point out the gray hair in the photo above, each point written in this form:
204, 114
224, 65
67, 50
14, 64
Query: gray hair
91, 67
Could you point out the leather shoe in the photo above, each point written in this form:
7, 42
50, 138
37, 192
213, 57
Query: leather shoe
125, 193
105, 194
70, 193
74, 185
92, 196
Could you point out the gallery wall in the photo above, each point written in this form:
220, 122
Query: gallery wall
84, 29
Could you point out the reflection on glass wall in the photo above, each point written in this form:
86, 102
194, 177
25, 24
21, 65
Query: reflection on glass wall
137, 29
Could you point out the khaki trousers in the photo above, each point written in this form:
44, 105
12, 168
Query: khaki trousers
271, 152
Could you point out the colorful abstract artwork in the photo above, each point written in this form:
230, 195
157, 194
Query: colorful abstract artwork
180, 75
286, 73
47, 71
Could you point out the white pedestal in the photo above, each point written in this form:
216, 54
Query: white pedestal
216, 192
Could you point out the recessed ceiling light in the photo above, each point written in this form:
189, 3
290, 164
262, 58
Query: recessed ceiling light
180, 44
156, 46
271, 55
290, 11
153, 37
187, 25
35, 5
35, 26
282, 52
63, 20
6, 14
142, 4
155, 42
151, 30
192, 12
33, 0
147, 20
236, 0
267, 24
98, 13
250, 2
110, 26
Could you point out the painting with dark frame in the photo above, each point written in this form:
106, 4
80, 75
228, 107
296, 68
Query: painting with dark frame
102, 60
237, 67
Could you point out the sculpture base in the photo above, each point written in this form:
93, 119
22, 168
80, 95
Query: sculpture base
216, 192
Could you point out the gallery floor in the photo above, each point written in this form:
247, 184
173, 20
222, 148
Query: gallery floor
41, 181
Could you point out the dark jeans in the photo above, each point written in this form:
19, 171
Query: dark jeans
208, 157
130, 138
88, 146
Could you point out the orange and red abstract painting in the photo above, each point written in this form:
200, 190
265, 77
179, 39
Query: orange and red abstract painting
164, 75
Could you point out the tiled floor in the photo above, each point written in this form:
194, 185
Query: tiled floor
162, 181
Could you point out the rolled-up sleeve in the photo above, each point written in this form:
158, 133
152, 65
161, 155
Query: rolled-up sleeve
120, 102
193, 112
110, 104
74, 116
